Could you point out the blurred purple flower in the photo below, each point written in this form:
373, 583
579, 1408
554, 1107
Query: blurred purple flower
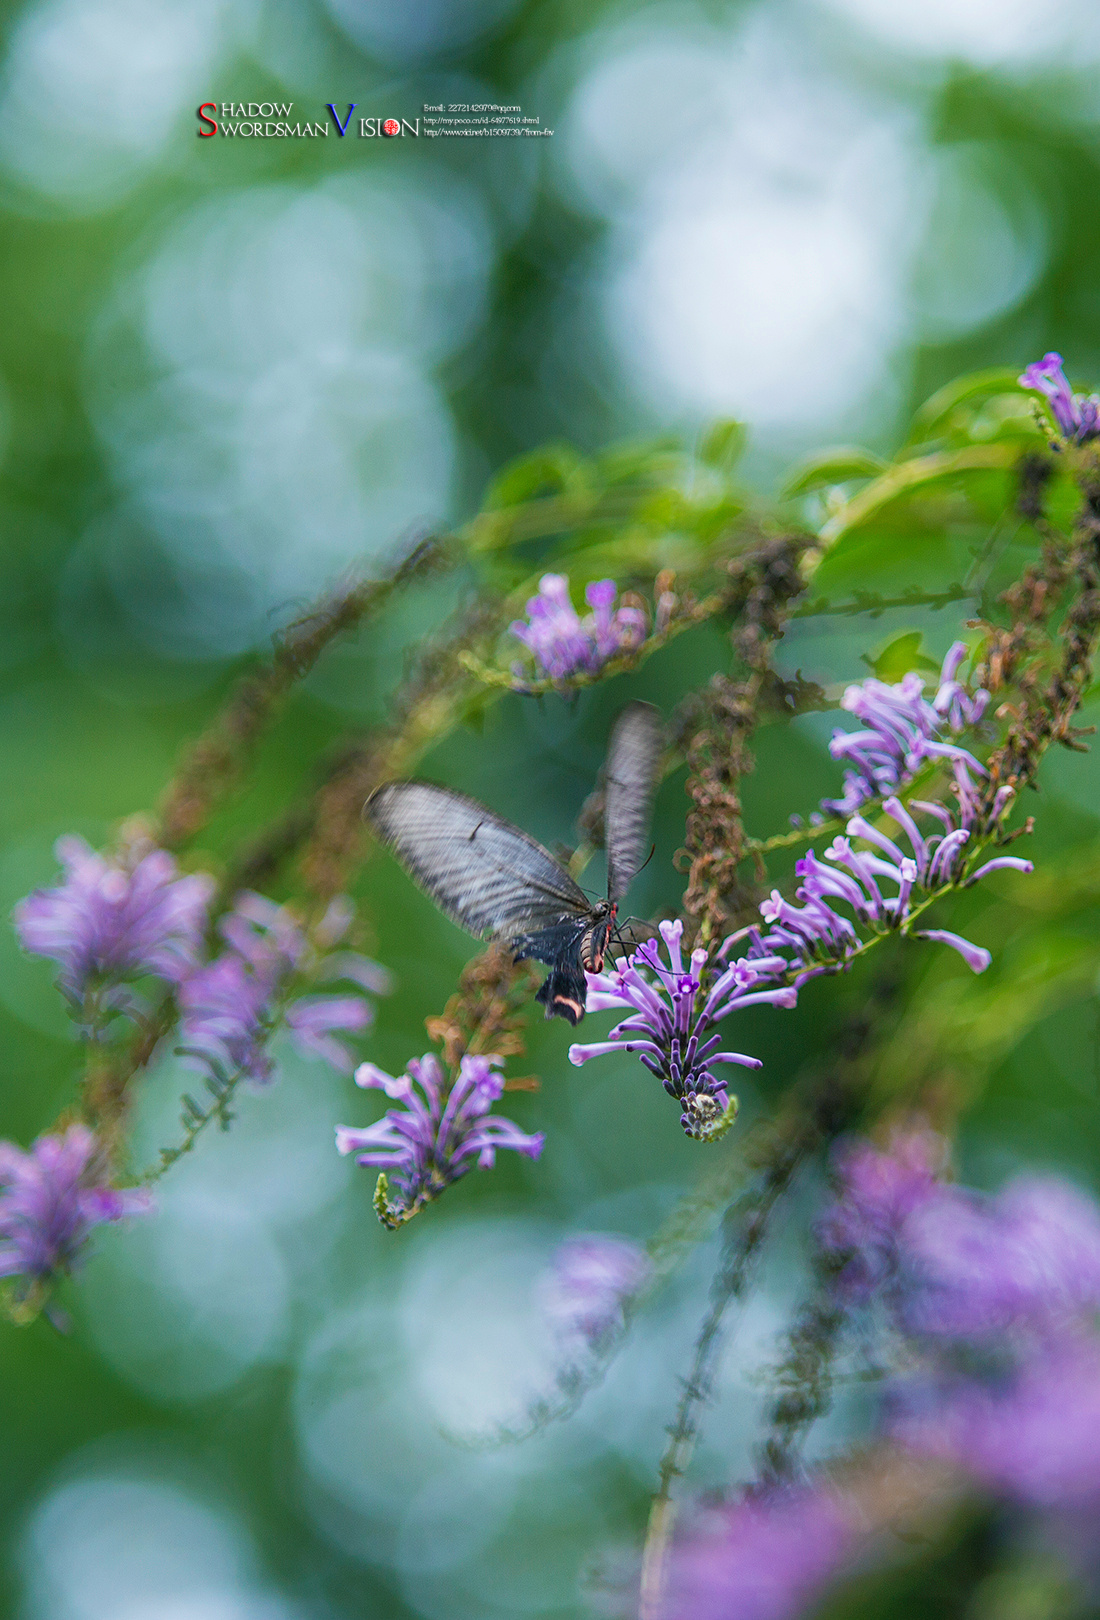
435, 1136
669, 1032
230, 1008
1033, 1435
110, 921
1077, 415
226, 1017
312, 1020
588, 1284
50, 1199
562, 643
876, 1193
901, 730
1027, 1259
951, 1264
953, 702
764, 1559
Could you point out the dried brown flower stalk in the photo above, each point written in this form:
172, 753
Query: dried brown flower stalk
763, 584
487, 1013
1048, 697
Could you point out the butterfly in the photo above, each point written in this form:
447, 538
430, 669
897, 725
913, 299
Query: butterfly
497, 882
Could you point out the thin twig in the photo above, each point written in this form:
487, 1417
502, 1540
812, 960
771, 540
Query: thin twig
216, 759
195, 1120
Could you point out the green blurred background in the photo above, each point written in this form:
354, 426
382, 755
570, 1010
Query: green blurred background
230, 370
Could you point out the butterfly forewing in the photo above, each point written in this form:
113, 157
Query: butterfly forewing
489, 876
629, 783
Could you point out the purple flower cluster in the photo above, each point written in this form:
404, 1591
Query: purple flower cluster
1077, 415
50, 1199
877, 1192
819, 938
563, 644
951, 1264
764, 1559
992, 1303
1030, 1435
590, 1280
669, 1028
435, 1135
901, 730
997, 1296
231, 1007
111, 920
670, 1020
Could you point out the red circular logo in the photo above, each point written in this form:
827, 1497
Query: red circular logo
391, 127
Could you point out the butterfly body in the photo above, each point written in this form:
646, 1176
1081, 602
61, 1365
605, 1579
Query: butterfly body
496, 881
570, 948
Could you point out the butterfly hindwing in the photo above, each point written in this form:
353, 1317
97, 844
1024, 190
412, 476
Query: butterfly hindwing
630, 779
563, 991
486, 874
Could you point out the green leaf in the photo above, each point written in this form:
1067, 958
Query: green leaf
723, 444
943, 412
839, 465
549, 470
648, 462
900, 656
941, 473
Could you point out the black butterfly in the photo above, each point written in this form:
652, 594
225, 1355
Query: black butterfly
495, 881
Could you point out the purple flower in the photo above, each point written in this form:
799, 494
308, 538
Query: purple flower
1077, 415
312, 1020
1024, 1262
877, 1193
901, 730
816, 935
51, 1198
1032, 1435
951, 1264
226, 1017
230, 1008
819, 938
764, 1559
111, 921
563, 644
435, 1136
669, 1031
952, 700
589, 1282
941, 858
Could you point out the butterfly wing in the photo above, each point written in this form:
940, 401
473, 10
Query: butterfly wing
630, 780
486, 874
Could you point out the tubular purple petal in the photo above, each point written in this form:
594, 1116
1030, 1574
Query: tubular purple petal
976, 957
1014, 863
